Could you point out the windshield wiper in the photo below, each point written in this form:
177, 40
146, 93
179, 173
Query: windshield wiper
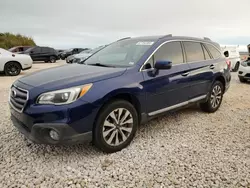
101, 65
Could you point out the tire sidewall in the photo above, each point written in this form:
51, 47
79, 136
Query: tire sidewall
52, 59
209, 99
9, 74
98, 130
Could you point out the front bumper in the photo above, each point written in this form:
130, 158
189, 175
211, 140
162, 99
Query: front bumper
39, 133
27, 68
244, 72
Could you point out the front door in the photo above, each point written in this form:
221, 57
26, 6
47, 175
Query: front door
35, 54
166, 89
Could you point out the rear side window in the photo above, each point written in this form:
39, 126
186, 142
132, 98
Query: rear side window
215, 53
45, 49
171, 51
194, 51
36, 50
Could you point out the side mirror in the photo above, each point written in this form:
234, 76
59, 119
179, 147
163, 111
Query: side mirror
163, 65
226, 54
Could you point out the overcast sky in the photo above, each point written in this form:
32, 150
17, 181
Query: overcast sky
89, 23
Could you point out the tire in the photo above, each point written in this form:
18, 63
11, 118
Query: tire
214, 99
236, 67
242, 80
109, 135
52, 59
12, 69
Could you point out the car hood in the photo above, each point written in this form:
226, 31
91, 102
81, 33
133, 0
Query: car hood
70, 76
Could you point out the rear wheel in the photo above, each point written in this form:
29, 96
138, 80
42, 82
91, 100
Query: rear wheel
12, 69
116, 126
214, 99
52, 59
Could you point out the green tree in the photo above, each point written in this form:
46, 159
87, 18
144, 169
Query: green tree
9, 40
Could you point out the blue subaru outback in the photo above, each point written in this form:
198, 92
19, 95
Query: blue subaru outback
127, 83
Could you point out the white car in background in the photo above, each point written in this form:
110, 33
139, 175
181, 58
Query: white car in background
12, 64
233, 56
244, 71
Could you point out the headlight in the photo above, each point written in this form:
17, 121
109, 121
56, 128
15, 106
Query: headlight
64, 96
244, 63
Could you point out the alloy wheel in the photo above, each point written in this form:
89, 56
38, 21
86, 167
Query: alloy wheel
117, 127
216, 96
12, 69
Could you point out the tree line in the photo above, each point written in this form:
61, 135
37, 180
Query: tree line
9, 40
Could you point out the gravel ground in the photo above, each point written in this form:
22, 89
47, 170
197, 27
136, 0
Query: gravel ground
188, 148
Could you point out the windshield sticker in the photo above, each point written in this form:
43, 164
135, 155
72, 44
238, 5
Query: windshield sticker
131, 63
145, 43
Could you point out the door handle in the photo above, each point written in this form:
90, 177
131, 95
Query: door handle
185, 74
212, 67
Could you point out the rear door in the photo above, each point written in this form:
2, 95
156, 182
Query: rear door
201, 69
166, 89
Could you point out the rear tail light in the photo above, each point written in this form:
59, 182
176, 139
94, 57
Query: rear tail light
228, 64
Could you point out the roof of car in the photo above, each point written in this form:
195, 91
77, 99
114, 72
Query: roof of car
169, 36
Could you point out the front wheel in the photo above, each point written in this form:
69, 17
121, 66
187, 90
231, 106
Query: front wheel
214, 99
52, 59
242, 80
12, 69
116, 126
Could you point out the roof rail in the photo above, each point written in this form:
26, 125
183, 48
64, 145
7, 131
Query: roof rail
124, 38
165, 36
206, 38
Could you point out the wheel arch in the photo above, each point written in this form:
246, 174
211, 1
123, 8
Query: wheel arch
222, 80
13, 61
131, 98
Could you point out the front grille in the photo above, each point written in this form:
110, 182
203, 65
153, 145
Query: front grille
18, 98
247, 75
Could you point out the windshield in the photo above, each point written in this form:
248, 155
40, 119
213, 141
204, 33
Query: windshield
11, 49
29, 49
123, 53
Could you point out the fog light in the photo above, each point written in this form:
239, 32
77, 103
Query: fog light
54, 135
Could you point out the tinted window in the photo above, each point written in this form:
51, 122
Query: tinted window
45, 49
194, 51
207, 56
170, 51
215, 53
36, 50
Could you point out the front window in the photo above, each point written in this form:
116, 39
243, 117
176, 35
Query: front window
123, 53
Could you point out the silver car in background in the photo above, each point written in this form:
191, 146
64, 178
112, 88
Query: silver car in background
77, 58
